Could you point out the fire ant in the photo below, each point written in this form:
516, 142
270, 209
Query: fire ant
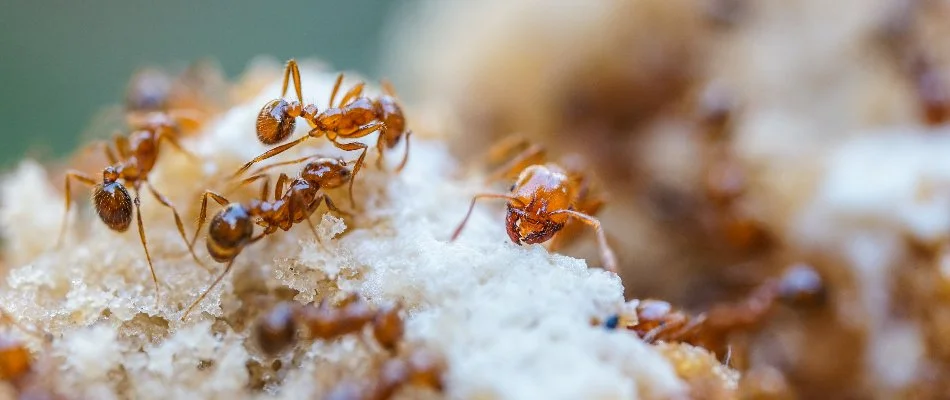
277, 329
131, 161
543, 199
17, 366
419, 368
352, 118
232, 229
186, 99
656, 320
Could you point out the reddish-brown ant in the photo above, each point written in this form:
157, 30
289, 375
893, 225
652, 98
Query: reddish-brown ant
277, 329
543, 199
185, 100
232, 229
17, 366
132, 160
352, 118
419, 368
656, 320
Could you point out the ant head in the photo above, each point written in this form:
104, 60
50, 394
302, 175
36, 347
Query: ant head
230, 230
529, 230
801, 286
277, 329
276, 121
112, 202
110, 174
327, 173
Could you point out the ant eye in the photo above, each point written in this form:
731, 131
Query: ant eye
512, 188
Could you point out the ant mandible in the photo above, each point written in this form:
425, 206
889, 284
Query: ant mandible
352, 118
277, 329
132, 160
543, 199
232, 229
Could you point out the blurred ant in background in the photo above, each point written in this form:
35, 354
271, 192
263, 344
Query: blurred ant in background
903, 38
277, 330
19, 369
352, 118
654, 320
232, 229
184, 101
544, 199
132, 159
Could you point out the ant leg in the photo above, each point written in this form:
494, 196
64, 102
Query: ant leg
283, 163
227, 269
505, 148
606, 254
333, 207
208, 290
356, 167
181, 227
268, 154
292, 68
471, 207
297, 203
148, 257
310, 212
122, 145
174, 142
110, 155
571, 230
533, 154
388, 87
247, 181
279, 189
405, 156
221, 200
353, 93
70, 175
336, 88
187, 116
380, 145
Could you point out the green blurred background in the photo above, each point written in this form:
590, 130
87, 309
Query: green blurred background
62, 61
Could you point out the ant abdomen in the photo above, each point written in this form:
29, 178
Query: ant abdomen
114, 205
278, 329
230, 230
275, 122
393, 119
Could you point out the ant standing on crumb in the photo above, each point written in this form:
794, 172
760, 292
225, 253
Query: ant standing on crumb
232, 229
132, 160
352, 118
543, 199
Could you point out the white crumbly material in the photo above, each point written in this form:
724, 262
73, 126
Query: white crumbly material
513, 321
